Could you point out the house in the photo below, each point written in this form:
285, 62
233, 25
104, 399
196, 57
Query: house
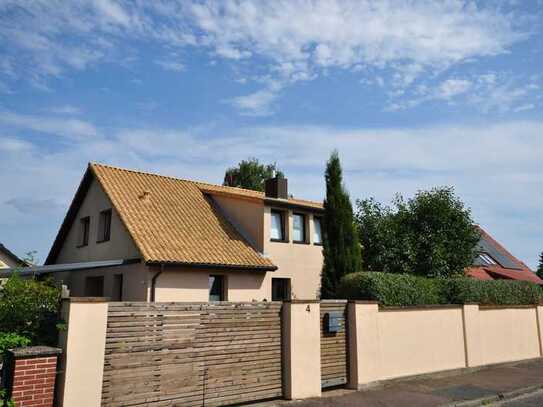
494, 262
136, 236
9, 259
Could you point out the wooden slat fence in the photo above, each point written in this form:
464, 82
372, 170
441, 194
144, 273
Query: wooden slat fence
334, 346
183, 354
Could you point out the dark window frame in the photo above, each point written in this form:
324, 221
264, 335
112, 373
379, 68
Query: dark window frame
104, 226
286, 294
117, 296
87, 288
283, 218
84, 231
223, 287
305, 239
318, 219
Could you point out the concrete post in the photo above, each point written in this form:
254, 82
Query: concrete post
363, 343
301, 349
472, 335
83, 344
539, 313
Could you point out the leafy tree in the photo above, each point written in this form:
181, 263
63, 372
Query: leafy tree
341, 247
250, 174
29, 308
431, 234
540, 267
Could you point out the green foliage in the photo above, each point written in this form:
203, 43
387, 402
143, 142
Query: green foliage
407, 290
430, 235
390, 289
341, 247
540, 267
3, 401
10, 340
30, 308
250, 174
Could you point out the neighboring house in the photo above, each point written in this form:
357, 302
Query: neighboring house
136, 236
9, 259
494, 262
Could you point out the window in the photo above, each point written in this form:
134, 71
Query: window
217, 289
280, 289
94, 286
486, 259
84, 226
117, 294
277, 226
317, 230
298, 228
104, 226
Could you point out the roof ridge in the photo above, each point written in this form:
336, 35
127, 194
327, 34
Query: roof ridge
199, 184
114, 167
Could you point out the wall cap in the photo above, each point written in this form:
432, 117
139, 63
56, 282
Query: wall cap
420, 307
363, 302
89, 299
34, 352
525, 306
302, 301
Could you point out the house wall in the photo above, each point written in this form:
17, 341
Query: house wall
302, 263
6, 261
183, 284
246, 216
135, 281
120, 246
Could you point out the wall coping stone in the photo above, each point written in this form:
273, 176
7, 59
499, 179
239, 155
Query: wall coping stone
88, 299
34, 352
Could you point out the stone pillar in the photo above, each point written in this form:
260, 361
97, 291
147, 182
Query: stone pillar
363, 343
83, 344
301, 349
30, 375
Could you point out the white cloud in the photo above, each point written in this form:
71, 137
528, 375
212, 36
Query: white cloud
65, 110
258, 103
292, 39
453, 87
170, 65
503, 184
70, 128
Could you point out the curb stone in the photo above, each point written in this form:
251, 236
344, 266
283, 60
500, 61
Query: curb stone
497, 397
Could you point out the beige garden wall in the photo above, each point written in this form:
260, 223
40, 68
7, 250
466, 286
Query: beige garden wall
388, 343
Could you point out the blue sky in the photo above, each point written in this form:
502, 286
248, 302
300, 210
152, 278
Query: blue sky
413, 94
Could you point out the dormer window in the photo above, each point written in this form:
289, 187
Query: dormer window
104, 226
277, 226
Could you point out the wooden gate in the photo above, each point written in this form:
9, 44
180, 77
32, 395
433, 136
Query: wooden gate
334, 345
181, 354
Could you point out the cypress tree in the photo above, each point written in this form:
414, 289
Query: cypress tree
341, 248
540, 267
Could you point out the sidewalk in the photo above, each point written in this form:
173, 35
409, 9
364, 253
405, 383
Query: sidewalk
481, 387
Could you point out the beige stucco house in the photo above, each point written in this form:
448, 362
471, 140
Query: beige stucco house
135, 236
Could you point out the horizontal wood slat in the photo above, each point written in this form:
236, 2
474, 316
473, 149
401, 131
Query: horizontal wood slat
192, 354
334, 356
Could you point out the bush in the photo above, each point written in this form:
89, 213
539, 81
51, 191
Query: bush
390, 289
30, 308
10, 340
405, 290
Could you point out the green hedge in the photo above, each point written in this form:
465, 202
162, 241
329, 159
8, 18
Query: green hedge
405, 290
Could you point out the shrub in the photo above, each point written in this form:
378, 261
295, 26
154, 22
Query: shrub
390, 289
30, 308
405, 290
10, 340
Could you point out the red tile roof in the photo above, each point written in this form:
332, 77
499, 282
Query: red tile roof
495, 272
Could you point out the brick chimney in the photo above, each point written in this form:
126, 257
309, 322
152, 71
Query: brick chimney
276, 188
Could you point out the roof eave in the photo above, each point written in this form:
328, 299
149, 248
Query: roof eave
225, 267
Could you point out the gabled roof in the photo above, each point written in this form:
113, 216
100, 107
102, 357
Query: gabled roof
12, 256
506, 265
173, 220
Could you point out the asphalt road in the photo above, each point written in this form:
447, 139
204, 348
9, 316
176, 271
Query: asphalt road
533, 400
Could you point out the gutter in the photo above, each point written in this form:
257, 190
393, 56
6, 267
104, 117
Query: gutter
153, 282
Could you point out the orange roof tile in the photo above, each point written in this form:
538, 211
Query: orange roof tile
174, 221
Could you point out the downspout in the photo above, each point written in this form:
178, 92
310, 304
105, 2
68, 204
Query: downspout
153, 282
